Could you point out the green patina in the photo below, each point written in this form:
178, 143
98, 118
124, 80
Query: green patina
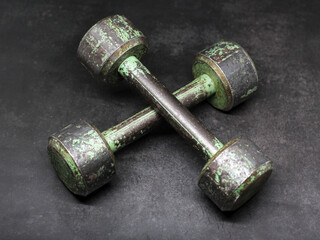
222, 98
73, 150
209, 162
132, 65
214, 62
123, 29
65, 166
201, 86
111, 40
94, 47
228, 56
217, 178
222, 49
116, 134
249, 92
263, 169
234, 174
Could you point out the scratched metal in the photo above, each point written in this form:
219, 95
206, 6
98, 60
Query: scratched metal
233, 71
107, 44
247, 161
141, 123
81, 158
115, 46
235, 174
169, 107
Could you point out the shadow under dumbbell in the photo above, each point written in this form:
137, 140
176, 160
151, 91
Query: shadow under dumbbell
100, 194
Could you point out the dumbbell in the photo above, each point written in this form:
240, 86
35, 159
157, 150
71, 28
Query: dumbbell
84, 157
112, 48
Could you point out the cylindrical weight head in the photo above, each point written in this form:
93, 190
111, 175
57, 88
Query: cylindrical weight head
107, 44
81, 157
234, 174
232, 70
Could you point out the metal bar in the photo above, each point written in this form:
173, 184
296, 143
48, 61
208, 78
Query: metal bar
141, 123
169, 107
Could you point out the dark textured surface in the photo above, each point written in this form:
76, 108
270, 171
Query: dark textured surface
155, 194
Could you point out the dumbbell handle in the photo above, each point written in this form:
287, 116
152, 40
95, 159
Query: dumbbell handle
169, 107
141, 123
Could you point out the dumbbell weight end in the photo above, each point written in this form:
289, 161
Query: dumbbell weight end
234, 173
83, 157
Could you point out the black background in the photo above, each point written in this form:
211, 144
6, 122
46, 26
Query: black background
155, 193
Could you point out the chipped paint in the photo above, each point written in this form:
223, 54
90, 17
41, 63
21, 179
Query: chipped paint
167, 105
234, 174
107, 44
232, 71
141, 123
82, 156
249, 92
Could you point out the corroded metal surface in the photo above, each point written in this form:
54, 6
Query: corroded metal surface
107, 44
141, 123
241, 166
233, 71
83, 160
235, 174
82, 156
169, 107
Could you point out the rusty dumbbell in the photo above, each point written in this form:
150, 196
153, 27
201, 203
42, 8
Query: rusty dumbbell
225, 74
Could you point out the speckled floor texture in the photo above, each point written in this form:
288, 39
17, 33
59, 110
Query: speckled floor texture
155, 194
